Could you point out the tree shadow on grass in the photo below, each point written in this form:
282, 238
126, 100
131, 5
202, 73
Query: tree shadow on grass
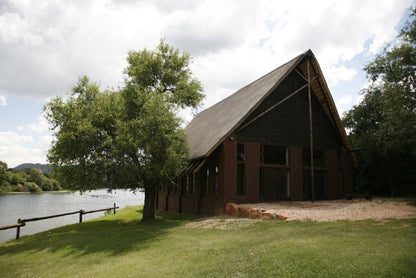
112, 235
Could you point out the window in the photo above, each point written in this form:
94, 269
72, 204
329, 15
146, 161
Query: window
241, 179
319, 158
207, 182
240, 152
215, 192
273, 154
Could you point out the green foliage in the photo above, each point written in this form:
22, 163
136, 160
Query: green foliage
15, 177
165, 72
85, 124
33, 181
127, 139
119, 246
3, 170
20, 188
36, 176
384, 123
33, 187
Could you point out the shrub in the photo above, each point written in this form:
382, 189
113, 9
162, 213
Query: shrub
47, 184
33, 187
5, 189
19, 188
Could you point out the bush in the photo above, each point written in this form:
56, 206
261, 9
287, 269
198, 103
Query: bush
20, 188
33, 187
5, 184
47, 184
5, 189
56, 185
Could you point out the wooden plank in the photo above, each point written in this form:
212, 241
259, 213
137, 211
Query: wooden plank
47, 217
98, 210
12, 226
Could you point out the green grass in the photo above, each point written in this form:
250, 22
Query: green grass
120, 246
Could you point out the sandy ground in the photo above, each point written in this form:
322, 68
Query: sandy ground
323, 211
320, 211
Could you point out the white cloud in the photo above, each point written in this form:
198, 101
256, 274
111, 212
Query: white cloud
40, 126
335, 74
47, 45
16, 149
3, 101
343, 104
10, 137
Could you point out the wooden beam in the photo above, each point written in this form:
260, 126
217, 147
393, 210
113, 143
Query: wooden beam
200, 165
330, 110
274, 106
12, 226
311, 135
46, 217
298, 72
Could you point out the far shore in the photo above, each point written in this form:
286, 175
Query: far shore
54, 192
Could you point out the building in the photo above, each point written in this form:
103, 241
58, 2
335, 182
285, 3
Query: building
256, 144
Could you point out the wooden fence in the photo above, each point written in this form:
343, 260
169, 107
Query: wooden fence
22, 222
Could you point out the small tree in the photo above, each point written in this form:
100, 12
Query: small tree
36, 176
3, 172
128, 139
384, 123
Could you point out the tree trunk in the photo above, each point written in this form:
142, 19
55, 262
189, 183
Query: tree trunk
149, 203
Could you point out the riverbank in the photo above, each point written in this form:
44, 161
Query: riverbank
121, 246
26, 192
15, 206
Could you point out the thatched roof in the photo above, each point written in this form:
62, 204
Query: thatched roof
213, 125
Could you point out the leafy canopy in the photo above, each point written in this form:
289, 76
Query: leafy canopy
129, 138
384, 123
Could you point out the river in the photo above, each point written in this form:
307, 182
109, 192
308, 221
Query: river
15, 206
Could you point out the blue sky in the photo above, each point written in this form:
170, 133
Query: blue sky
45, 46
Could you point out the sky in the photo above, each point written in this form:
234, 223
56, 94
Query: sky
45, 46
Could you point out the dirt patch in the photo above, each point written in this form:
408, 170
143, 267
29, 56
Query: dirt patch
324, 211
222, 223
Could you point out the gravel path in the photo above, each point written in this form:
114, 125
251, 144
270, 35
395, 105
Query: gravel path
324, 211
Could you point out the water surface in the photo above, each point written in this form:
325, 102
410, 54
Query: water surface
15, 206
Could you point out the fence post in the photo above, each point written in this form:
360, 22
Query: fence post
114, 208
80, 215
18, 229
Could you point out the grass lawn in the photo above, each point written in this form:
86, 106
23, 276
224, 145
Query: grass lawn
120, 246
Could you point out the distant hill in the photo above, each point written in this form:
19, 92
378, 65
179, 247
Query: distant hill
43, 167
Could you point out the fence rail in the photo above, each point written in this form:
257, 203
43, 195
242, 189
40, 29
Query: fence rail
22, 222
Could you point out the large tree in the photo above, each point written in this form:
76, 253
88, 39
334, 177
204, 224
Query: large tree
131, 138
383, 125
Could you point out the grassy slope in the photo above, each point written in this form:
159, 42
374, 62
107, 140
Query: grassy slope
120, 246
